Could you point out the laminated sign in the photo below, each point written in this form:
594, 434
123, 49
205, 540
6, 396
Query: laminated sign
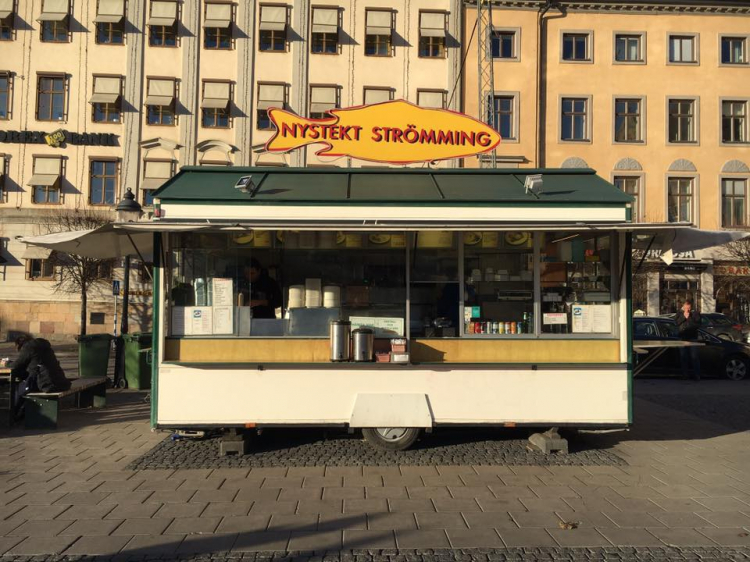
396, 132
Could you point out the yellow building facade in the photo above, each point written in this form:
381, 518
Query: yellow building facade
655, 96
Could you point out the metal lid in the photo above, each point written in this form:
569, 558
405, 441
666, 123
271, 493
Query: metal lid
362, 331
341, 322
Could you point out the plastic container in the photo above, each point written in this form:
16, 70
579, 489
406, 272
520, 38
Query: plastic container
93, 355
137, 365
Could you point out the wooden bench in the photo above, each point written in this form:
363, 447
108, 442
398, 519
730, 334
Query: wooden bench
42, 407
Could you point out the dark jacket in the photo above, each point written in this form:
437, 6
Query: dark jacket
264, 288
38, 357
688, 327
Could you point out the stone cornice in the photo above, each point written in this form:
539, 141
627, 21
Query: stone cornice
728, 7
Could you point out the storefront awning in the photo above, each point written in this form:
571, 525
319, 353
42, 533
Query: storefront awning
35, 253
674, 240
6, 8
218, 15
99, 243
54, 10
110, 11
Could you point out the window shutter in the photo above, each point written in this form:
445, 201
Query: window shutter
110, 11
325, 20
273, 18
379, 22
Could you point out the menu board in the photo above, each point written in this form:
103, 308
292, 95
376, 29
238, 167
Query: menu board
555, 318
592, 318
222, 291
192, 320
223, 320
383, 327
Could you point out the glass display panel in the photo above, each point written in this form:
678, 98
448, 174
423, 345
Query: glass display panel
576, 283
266, 283
434, 284
499, 283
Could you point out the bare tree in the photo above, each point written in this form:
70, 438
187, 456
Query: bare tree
77, 274
737, 252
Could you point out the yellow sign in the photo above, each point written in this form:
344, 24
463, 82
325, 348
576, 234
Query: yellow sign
55, 139
396, 132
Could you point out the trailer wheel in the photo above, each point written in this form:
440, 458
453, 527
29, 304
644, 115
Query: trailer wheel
391, 438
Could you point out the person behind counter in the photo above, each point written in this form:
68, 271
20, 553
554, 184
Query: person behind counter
260, 292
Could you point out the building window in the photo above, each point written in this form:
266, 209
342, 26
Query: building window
575, 119
376, 95
160, 101
47, 193
325, 31
39, 269
682, 49
628, 48
108, 33
51, 98
161, 114
106, 106
322, 100
215, 104
431, 98
7, 22
155, 174
576, 47
218, 38
681, 121
162, 35
432, 34
162, 24
217, 25
631, 186
4, 98
378, 33
734, 127
269, 95
628, 120
734, 50
504, 116
273, 24
503, 45
55, 31
103, 182
680, 200
216, 118
733, 208
106, 112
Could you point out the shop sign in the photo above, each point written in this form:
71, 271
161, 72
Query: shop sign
732, 270
395, 132
58, 138
656, 254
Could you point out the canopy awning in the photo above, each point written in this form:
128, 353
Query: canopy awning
99, 243
163, 13
110, 11
378, 22
54, 10
677, 239
215, 95
273, 18
160, 92
325, 20
6, 8
35, 253
432, 24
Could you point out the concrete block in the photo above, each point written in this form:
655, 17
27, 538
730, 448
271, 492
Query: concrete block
549, 442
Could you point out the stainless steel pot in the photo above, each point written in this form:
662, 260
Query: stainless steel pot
340, 349
363, 344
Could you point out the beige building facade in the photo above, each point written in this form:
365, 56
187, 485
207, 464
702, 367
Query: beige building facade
101, 96
655, 96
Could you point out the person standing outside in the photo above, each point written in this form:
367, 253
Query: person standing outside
688, 321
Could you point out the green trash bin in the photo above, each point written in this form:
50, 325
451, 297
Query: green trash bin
93, 355
137, 360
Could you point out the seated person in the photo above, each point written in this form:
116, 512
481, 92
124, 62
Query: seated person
38, 370
260, 292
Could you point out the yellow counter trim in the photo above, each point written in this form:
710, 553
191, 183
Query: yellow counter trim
422, 351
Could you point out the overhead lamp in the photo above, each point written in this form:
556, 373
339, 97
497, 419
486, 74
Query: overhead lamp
245, 184
128, 209
533, 184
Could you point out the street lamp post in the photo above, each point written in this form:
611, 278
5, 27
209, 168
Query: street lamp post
128, 210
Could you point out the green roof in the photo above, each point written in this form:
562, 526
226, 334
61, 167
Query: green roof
383, 186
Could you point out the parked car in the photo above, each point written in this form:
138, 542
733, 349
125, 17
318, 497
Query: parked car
718, 356
719, 325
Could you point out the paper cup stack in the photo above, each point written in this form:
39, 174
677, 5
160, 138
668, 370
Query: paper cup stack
313, 293
296, 296
331, 296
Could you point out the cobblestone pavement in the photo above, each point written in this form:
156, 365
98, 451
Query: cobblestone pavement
447, 447
684, 484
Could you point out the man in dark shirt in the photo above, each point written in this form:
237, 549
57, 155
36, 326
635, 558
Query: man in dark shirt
261, 293
37, 369
688, 321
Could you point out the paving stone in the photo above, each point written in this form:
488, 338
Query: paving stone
633, 519
152, 545
431, 520
386, 521
160, 485
678, 504
83, 498
471, 492
630, 537
193, 526
227, 509
356, 539
300, 494
99, 545
406, 538
578, 537
119, 485
464, 505
142, 526
323, 482
503, 505
33, 546
545, 504
328, 522
388, 492
526, 537
492, 520
591, 519
258, 494
681, 537
725, 518
320, 506
366, 506
243, 524
328, 540
293, 523
92, 528
125, 498
6, 543
133, 511
728, 536
411, 506
40, 529
681, 519
625, 504
172, 496
40, 511
343, 493
206, 544
274, 507
535, 518
272, 541
428, 492
172, 510
723, 504
72, 513
205, 496
474, 538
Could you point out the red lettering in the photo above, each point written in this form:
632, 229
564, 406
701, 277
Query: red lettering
377, 136
314, 131
483, 139
286, 130
427, 137
397, 134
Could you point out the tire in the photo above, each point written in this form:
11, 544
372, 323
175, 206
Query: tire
736, 368
391, 438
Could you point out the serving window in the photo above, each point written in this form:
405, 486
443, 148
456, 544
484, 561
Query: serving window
430, 284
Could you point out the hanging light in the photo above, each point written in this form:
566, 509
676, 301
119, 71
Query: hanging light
128, 209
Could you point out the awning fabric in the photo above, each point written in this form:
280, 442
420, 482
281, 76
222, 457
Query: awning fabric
2, 165
106, 89
46, 171
273, 18
6, 8
378, 22
54, 10
325, 20
432, 24
35, 253
322, 98
676, 240
156, 173
218, 15
376, 95
271, 95
99, 243
163, 13
430, 99
110, 11
215, 95
160, 92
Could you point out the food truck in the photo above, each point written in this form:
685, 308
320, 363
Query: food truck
494, 297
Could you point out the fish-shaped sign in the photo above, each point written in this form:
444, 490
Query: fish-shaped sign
396, 132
